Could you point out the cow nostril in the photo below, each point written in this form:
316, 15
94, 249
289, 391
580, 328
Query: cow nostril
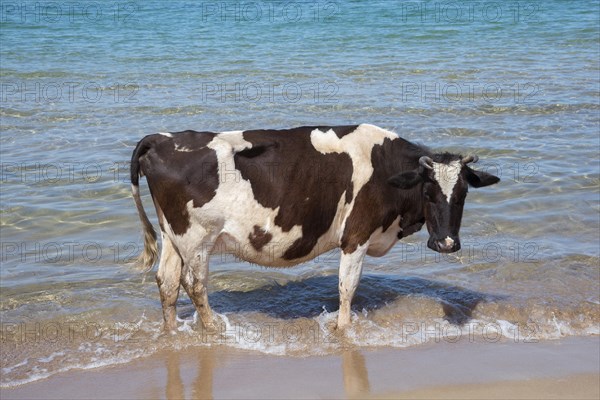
449, 242
445, 245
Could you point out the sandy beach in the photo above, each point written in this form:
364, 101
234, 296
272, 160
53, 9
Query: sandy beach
568, 368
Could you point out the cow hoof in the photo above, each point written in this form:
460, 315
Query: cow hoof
166, 332
341, 326
210, 325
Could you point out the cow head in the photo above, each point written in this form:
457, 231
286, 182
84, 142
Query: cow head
443, 184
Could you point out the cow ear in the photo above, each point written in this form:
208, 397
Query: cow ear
479, 179
405, 180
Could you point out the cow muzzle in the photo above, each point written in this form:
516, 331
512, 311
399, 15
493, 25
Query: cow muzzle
447, 245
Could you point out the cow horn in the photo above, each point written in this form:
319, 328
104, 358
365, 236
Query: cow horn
469, 159
426, 162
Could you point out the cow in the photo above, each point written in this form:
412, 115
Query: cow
278, 198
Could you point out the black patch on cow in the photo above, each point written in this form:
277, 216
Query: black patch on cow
255, 151
378, 203
259, 238
445, 158
406, 180
408, 230
176, 177
306, 185
340, 131
350, 193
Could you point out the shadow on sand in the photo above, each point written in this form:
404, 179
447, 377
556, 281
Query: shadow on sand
307, 298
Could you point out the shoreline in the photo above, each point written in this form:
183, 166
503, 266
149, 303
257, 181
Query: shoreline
566, 368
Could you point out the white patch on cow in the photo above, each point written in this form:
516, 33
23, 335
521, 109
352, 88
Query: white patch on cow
382, 241
167, 134
235, 132
446, 176
236, 140
183, 149
326, 142
449, 241
232, 214
358, 145
350, 267
350, 271
226, 144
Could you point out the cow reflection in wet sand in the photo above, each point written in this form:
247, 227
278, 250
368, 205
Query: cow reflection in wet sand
354, 372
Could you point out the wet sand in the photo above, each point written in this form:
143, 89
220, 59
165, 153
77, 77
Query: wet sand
568, 368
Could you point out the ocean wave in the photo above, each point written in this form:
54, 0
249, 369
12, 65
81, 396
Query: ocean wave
405, 322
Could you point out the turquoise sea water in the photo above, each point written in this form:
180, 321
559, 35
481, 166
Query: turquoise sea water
81, 82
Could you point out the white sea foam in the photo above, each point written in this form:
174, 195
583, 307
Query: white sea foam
294, 337
51, 357
41, 373
186, 325
7, 370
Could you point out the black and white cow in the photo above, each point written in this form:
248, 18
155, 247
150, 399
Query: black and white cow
280, 197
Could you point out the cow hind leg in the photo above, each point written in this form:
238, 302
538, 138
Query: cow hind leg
167, 278
349, 277
194, 279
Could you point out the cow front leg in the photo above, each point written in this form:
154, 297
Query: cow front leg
167, 278
349, 276
195, 282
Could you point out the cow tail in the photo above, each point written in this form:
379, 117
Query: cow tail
149, 255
